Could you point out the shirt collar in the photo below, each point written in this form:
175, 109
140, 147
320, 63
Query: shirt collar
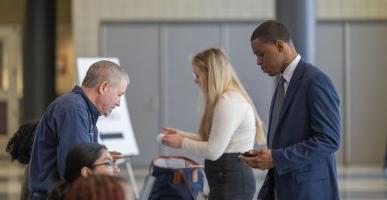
288, 73
93, 109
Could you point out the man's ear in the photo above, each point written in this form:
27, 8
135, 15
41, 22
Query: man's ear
280, 45
85, 172
103, 87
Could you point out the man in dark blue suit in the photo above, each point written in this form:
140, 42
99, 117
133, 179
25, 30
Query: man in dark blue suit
304, 127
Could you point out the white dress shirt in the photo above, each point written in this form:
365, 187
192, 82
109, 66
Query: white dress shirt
288, 73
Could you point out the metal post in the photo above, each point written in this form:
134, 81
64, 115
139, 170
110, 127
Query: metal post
38, 57
132, 178
300, 17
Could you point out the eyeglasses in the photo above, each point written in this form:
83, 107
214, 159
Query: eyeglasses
107, 164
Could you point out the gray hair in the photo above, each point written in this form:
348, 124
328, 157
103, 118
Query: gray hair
104, 71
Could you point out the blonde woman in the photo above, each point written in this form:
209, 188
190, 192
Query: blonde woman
229, 125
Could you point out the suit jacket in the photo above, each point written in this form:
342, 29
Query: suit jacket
307, 137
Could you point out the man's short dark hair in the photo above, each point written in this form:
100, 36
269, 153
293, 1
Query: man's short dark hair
270, 31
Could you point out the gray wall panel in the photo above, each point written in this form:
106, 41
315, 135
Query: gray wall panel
330, 58
184, 41
368, 47
136, 45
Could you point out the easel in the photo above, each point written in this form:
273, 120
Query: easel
132, 179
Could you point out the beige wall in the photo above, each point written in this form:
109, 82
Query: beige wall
65, 67
351, 10
12, 11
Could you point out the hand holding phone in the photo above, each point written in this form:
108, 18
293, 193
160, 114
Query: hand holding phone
249, 154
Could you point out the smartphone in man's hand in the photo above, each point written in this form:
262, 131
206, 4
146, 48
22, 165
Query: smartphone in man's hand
249, 154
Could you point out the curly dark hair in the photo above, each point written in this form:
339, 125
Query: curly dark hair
98, 187
20, 144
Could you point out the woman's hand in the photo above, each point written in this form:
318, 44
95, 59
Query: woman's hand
115, 155
171, 138
168, 130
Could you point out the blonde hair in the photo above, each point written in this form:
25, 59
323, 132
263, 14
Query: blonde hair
221, 77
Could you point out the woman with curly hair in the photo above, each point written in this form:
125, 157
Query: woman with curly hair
19, 147
99, 187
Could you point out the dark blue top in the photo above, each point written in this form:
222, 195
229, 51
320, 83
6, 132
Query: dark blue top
69, 120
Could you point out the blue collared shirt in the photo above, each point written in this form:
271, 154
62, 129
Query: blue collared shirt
69, 120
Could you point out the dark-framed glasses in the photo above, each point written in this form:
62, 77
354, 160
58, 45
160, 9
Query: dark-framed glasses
107, 164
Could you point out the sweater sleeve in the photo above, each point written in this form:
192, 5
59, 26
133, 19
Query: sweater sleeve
228, 115
193, 136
